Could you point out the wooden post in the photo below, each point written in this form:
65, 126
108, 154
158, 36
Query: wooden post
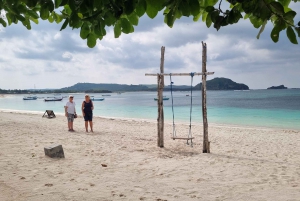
160, 89
206, 144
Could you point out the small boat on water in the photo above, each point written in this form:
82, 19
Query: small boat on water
164, 98
97, 99
52, 99
30, 98
187, 95
106, 95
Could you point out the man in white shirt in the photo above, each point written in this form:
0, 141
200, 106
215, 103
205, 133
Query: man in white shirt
70, 111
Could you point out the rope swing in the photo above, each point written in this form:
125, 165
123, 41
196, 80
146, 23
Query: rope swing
189, 137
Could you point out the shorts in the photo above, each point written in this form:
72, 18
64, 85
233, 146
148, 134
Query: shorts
88, 117
70, 117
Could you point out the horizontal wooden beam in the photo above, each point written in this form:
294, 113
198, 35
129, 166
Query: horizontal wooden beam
182, 138
178, 74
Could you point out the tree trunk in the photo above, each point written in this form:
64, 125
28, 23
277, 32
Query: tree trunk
206, 145
160, 89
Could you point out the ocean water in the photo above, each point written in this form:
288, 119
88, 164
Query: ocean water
263, 108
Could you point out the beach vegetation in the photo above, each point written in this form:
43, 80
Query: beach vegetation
93, 17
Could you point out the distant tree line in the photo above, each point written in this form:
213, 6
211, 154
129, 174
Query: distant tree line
56, 91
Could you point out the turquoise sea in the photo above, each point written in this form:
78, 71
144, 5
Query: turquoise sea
263, 108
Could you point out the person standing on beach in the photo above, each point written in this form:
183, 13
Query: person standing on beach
70, 112
87, 112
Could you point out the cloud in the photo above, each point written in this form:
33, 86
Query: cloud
233, 52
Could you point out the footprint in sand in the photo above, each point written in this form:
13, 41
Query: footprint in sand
48, 185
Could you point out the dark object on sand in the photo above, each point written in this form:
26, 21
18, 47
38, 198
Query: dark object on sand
54, 151
49, 114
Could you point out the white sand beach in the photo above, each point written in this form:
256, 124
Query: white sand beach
244, 163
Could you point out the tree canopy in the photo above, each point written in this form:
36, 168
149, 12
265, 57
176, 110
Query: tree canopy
93, 17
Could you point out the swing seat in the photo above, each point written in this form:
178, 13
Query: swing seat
182, 138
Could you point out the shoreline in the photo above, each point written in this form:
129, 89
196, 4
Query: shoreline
167, 122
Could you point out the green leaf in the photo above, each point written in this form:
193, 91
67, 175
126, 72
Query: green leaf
65, 24
141, 8
279, 26
234, 16
85, 30
275, 34
194, 7
44, 12
257, 22
184, 8
20, 17
117, 29
36, 21
58, 18
3, 22
210, 2
214, 15
75, 21
218, 22
129, 6
9, 18
27, 24
72, 5
57, 3
170, 18
204, 16
133, 18
50, 19
285, 3
197, 17
99, 29
31, 3
291, 35
151, 11
91, 40
109, 18
33, 14
208, 21
156, 4
262, 28
50, 6
209, 9
126, 26
277, 7
289, 16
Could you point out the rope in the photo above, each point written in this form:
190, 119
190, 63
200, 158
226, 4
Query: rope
191, 109
171, 83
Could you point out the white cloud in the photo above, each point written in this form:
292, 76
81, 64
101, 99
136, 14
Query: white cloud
31, 57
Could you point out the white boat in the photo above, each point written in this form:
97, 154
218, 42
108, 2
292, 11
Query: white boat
164, 98
97, 99
30, 98
53, 99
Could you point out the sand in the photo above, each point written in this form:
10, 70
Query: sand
244, 163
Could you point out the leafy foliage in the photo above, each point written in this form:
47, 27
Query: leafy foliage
93, 17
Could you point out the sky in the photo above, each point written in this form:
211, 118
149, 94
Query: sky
45, 57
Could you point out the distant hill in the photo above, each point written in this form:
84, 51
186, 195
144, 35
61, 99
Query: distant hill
278, 87
222, 84
214, 84
109, 87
